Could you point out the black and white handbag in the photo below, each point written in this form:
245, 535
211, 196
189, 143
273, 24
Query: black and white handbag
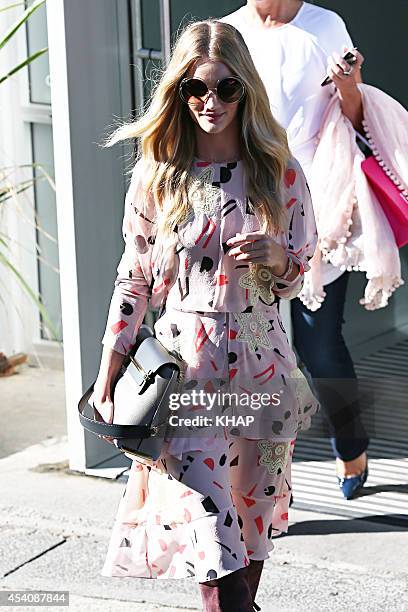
150, 373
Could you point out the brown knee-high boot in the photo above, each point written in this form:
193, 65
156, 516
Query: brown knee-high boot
254, 571
231, 593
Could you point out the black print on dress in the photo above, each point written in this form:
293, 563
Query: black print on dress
174, 330
189, 571
206, 264
226, 211
240, 523
184, 294
125, 542
139, 212
290, 230
281, 326
223, 459
235, 432
228, 520
226, 247
269, 490
126, 309
209, 505
211, 574
287, 415
190, 384
276, 350
225, 174
277, 427
234, 462
227, 548
232, 357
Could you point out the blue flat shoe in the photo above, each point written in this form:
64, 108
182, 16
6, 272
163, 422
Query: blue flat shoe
350, 486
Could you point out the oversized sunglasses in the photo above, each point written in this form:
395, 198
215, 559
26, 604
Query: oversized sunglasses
194, 91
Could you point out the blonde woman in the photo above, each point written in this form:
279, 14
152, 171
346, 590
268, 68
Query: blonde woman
218, 222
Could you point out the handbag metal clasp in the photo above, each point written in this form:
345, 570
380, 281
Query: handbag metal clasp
148, 379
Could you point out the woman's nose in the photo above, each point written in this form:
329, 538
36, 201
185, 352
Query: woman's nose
212, 99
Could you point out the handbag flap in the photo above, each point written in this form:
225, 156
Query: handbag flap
152, 355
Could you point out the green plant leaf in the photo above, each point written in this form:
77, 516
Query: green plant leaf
4, 243
27, 61
11, 6
20, 21
6, 194
44, 313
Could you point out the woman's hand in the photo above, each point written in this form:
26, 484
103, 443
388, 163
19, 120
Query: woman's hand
103, 405
344, 76
259, 248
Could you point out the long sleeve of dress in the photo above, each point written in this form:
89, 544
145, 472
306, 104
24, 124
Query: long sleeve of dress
133, 285
300, 238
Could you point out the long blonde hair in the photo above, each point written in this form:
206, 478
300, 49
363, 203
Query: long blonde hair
167, 136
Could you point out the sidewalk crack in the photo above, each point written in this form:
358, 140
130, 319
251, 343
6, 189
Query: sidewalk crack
35, 557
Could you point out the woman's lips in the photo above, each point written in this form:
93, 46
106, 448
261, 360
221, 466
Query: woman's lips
213, 118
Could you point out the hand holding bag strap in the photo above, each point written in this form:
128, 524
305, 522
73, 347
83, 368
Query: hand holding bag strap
113, 430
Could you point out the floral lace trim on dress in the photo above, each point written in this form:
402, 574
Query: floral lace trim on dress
274, 456
259, 283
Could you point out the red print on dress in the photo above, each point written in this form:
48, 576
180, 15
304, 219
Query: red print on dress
290, 177
117, 327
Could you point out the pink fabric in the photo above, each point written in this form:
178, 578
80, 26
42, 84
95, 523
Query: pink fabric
353, 231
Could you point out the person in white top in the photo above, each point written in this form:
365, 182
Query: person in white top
294, 44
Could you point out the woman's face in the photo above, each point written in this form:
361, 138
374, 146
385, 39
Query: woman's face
212, 116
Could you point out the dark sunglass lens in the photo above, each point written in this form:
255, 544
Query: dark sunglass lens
230, 90
193, 88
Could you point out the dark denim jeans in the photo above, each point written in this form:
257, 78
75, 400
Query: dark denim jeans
320, 346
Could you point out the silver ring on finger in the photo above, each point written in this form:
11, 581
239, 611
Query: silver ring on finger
347, 72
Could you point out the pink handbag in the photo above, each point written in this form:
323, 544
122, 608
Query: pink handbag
394, 201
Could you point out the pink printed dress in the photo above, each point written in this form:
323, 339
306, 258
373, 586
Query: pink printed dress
220, 491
